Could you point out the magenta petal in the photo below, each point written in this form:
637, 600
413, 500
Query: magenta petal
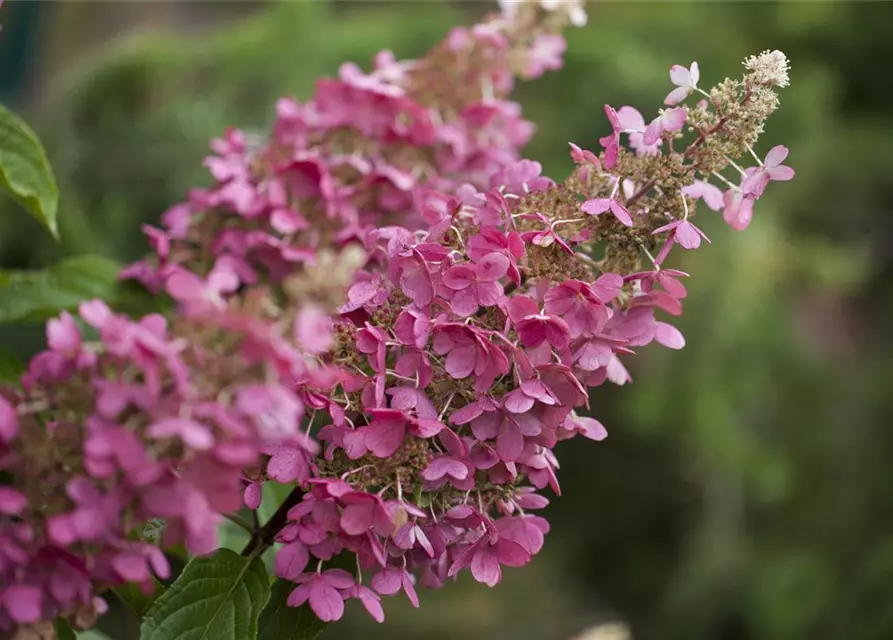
23, 603
384, 437
291, 560
687, 236
357, 518
597, 206
9, 421
325, 601
518, 402
131, 567
674, 119
781, 173
592, 428
668, 335
371, 602
510, 553
387, 581
776, 155
485, 567
409, 588
459, 277
509, 442
11, 501
621, 213
338, 578
299, 596
461, 361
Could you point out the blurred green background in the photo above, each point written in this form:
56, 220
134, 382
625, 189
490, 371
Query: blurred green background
743, 491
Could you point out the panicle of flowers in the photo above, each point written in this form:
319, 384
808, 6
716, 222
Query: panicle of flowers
388, 273
468, 347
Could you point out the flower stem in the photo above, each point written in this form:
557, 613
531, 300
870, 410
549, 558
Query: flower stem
240, 522
265, 537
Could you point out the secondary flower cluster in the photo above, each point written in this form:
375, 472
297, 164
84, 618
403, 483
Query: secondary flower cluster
387, 273
143, 432
362, 153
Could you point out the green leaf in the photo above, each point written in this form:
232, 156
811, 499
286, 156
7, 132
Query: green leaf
137, 601
215, 598
25, 171
278, 621
11, 368
35, 296
63, 630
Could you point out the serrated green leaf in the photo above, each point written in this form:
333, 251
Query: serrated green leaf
11, 368
278, 621
137, 601
35, 296
215, 598
25, 171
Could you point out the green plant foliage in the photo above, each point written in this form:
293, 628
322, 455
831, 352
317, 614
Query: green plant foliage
37, 295
137, 601
25, 172
215, 598
11, 367
278, 621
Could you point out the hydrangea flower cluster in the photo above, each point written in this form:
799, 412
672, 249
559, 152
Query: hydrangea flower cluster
382, 306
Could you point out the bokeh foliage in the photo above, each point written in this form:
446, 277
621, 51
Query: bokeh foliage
743, 491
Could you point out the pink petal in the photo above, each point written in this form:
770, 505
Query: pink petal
509, 442
592, 428
489, 293
387, 582
511, 554
299, 596
677, 95
596, 206
11, 501
652, 132
781, 174
291, 560
518, 402
9, 421
287, 463
621, 213
668, 335
631, 119
776, 156
409, 588
325, 601
193, 434
485, 567
384, 437
460, 363
338, 578
356, 519
23, 602
131, 567
492, 267
465, 302
674, 119
680, 76
444, 466
687, 236
608, 286
459, 277
371, 602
